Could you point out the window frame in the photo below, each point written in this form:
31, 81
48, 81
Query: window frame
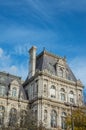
14, 92
53, 88
53, 119
62, 94
2, 90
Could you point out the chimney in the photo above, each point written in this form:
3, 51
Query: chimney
32, 61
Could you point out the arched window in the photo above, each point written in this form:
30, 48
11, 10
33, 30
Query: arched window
45, 115
14, 92
2, 90
2, 110
71, 96
62, 94
23, 118
60, 72
53, 119
13, 117
63, 123
53, 91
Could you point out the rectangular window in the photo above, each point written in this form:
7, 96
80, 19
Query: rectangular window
62, 96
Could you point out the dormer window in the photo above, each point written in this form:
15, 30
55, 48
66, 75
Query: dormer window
14, 92
2, 90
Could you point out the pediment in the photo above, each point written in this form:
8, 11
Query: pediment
15, 82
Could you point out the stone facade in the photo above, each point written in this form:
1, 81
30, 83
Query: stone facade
51, 89
13, 99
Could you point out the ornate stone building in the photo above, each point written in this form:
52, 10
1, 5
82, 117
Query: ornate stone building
13, 99
50, 88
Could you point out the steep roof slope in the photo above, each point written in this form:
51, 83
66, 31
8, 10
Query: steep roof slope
7, 79
48, 61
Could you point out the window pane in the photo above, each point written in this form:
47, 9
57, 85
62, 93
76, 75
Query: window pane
62, 96
14, 92
53, 119
63, 123
53, 91
2, 90
71, 96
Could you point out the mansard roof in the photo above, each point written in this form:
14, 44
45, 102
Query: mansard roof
7, 80
48, 61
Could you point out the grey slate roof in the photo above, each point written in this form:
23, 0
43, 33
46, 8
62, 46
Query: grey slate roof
46, 60
6, 79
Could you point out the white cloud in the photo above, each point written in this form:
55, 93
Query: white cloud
13, 69
23, 70
19, 70
22, 49
8, 64
78, 65
4, 57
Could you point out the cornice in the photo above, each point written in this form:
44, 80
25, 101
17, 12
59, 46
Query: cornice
50, 102
14, 99
50, 76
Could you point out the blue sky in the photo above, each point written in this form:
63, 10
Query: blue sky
57, 25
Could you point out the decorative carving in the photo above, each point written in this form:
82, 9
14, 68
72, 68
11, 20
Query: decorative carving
61, 62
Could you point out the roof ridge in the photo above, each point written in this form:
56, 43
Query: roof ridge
51, 54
